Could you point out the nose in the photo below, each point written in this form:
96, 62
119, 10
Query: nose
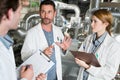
46, 15
92, 23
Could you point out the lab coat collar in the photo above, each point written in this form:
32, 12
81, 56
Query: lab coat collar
7, 41
106, 40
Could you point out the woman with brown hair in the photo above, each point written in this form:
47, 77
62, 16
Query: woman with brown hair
103, 46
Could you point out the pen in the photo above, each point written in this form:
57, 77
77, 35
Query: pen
27, 66
45, 56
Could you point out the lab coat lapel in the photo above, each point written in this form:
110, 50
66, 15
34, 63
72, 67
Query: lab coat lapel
89, 44
44, 43
57, 53
8, 54
102, 48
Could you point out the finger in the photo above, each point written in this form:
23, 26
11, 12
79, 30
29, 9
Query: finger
66, 34
68, 39
52, 46
57, 43
76, 59
37, 78
30, 66
47, 48
64, 39
23, 68
41, 76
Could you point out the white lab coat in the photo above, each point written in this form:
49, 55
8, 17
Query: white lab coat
108, 57
7, 63
35, 40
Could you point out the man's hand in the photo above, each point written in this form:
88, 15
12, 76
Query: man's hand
41, 77
82, 63
27, 72
48, 51
66, 43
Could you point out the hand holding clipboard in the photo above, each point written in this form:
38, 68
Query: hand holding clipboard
40, 62
89, 58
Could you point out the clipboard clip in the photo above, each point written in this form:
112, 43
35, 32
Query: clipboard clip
44, 55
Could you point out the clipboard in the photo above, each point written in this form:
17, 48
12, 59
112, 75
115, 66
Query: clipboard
89, 58
40, 62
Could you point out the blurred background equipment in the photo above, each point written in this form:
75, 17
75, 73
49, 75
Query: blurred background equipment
73, 17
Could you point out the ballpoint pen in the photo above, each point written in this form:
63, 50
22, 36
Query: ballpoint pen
27, 66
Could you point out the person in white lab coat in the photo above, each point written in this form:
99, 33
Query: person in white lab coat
103, 46
43, 36
9, 18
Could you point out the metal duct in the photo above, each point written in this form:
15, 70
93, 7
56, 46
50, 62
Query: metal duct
94, 4
69, 7
31, 16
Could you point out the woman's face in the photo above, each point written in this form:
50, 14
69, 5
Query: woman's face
98, 26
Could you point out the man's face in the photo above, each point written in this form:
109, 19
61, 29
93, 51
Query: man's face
16, 17
47, 14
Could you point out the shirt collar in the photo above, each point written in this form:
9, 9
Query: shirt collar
100, 39
7, 41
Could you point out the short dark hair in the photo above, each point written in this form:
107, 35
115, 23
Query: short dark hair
47, 2
5, 5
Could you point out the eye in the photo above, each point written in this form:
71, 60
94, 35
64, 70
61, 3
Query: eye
95, 21
91, 20
42, 11
49, 11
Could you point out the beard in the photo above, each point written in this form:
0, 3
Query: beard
46, 21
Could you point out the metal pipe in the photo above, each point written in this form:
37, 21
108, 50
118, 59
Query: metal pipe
26, 23
94, 4
69, 7
116, 14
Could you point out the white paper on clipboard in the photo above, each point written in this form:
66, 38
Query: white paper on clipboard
39, 62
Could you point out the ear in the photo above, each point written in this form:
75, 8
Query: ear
106, 24
10, 14
55, 13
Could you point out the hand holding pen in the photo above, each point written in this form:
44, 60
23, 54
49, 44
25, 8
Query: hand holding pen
27, 72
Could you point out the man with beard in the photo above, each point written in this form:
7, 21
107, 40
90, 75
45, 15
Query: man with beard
43, 36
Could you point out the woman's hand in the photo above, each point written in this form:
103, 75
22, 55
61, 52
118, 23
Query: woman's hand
82, 63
